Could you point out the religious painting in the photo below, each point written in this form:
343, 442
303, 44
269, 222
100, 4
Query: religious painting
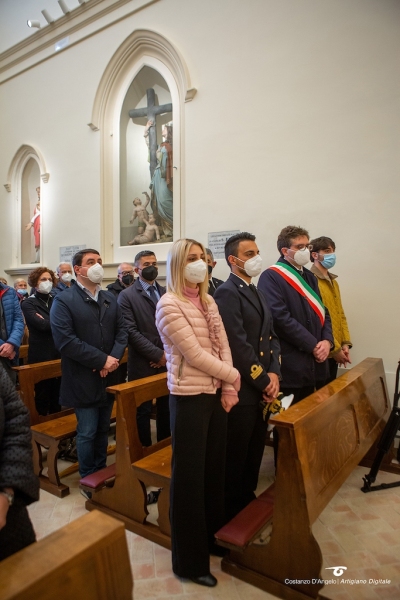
30, 213
146, 161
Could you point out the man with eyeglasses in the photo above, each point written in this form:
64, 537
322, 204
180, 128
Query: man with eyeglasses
124, 279
301, 321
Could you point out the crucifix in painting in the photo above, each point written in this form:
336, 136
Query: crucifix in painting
161, 171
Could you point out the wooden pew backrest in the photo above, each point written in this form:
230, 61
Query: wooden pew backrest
87, 558
29, 375
321, 440
332, 430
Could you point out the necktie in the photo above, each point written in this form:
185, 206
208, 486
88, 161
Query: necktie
253, 289
152, 293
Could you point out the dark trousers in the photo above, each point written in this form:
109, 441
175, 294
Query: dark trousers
333, 369
143, 415
47, 394
17, 532
244, 452
92, 437
198, 425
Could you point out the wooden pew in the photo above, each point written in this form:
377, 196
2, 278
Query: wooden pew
86, 559
23, 353
49, 435
49, 430
118, 491
321, 440
28, 376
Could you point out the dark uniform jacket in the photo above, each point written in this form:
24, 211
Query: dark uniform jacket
85, 332
41, 345
213, 284
298, 327
254, 345
144, 342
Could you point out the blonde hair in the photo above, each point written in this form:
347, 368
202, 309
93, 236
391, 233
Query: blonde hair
176, 263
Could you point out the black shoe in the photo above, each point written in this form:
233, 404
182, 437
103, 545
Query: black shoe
85, 494
207, 580
216, 550
152, 497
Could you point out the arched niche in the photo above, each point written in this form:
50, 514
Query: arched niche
142, 50
26, 174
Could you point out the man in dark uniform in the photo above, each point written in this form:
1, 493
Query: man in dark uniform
213, 282
145, 349
301, 321
255, 353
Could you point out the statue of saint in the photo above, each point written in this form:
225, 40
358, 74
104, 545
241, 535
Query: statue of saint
35, 223
162, 181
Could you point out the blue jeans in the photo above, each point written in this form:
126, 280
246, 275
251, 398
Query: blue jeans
92, 437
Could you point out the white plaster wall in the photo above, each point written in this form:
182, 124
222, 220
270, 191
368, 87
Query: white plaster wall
296, 121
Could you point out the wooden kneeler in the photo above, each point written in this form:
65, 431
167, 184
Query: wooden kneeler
125, 496
321, 440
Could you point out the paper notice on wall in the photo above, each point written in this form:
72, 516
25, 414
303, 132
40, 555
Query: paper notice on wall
67, 252
216, 242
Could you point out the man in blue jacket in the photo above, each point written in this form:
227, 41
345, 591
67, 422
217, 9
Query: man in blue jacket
11, 328
301, 321
90, 334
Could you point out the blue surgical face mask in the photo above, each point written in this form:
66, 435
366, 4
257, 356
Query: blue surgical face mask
329, 260
22, 291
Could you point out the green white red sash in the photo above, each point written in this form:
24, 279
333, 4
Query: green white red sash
292, 277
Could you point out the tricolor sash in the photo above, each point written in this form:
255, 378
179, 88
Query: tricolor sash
292, 277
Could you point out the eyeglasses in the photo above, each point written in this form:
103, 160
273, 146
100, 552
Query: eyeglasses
124, 273
301, 247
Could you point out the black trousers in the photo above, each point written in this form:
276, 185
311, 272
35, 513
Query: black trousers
244, 452
198, 425
333, 369
18, 531
143, 415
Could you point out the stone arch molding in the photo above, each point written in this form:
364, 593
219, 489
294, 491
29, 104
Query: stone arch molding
20, 159
141, 48
136, 47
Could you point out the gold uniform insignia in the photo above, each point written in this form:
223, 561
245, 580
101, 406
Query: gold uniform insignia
256, 371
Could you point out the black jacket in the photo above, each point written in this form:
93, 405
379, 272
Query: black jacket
41, 343
85, 332
116, 288
144, 343
213, 284
255, 347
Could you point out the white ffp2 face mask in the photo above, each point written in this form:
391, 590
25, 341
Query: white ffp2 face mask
252, 266
45, 287
195, 272
302, 257
66, 277
95, 273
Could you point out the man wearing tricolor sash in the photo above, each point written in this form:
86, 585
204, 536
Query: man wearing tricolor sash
301, 321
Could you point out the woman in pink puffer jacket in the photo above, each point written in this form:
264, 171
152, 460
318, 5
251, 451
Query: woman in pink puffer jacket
203, 387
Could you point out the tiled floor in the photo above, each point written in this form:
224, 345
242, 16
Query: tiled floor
357, 530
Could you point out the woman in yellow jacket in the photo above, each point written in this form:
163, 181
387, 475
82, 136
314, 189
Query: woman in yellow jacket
323, 256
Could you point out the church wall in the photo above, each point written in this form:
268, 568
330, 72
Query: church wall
295, 121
